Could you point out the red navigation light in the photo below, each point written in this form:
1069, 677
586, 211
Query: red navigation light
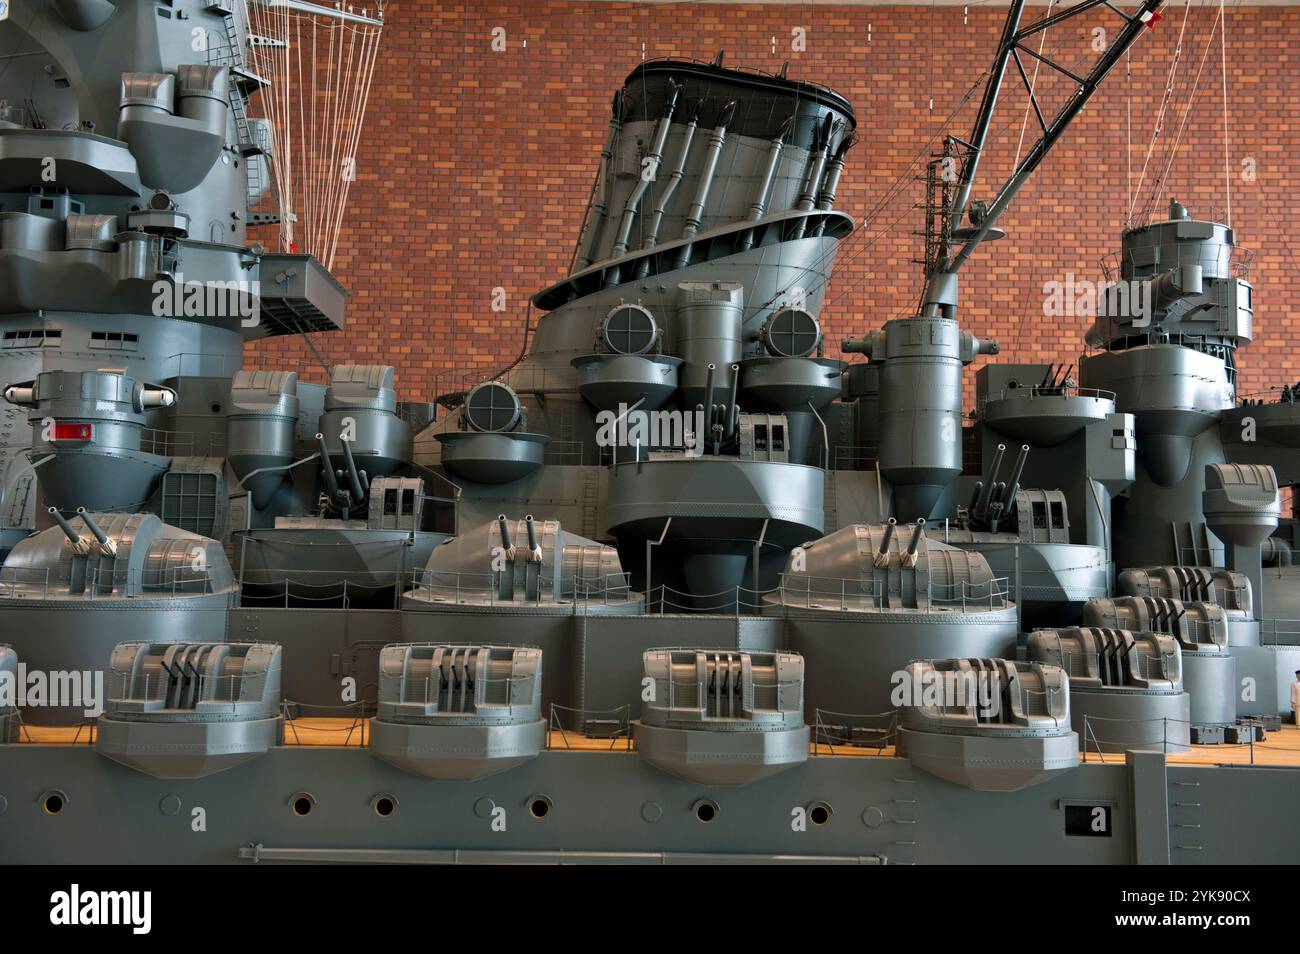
74, 432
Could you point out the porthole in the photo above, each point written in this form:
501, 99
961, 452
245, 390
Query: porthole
819, 813
53, 802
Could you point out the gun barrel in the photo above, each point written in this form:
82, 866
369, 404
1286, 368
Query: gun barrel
98, 534
327, 469
729, 422
987, 494
708, 397
916, 537
1013, 484
888, 537
66, 527
354, 478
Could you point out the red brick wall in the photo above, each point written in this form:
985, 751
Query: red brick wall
476, 165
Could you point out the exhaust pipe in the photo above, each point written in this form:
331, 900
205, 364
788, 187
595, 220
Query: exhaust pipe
759, 208
605, 187
674, 179
648, 171
695, 215
831, 183
816, 166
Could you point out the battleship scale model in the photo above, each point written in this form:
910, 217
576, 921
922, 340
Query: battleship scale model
676, 585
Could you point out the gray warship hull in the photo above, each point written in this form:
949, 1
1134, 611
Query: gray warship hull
613, 808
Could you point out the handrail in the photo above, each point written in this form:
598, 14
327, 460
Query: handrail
622, 725
991, 594
883, 736
438, 585
104, 582
1039, 392
1165, 741
1279, 628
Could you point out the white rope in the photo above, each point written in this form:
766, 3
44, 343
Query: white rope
321, 70
1223, 60
311, 154
332, 171
1169, 89
344, 162
1128, 130
365, 81
289, 211
1160, 180
302, 123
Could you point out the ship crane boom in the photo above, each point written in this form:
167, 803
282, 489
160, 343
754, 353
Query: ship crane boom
940, 295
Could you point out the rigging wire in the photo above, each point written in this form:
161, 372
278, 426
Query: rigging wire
1223, 67
1158, 183
1164, 105
321, 70
1128, 126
